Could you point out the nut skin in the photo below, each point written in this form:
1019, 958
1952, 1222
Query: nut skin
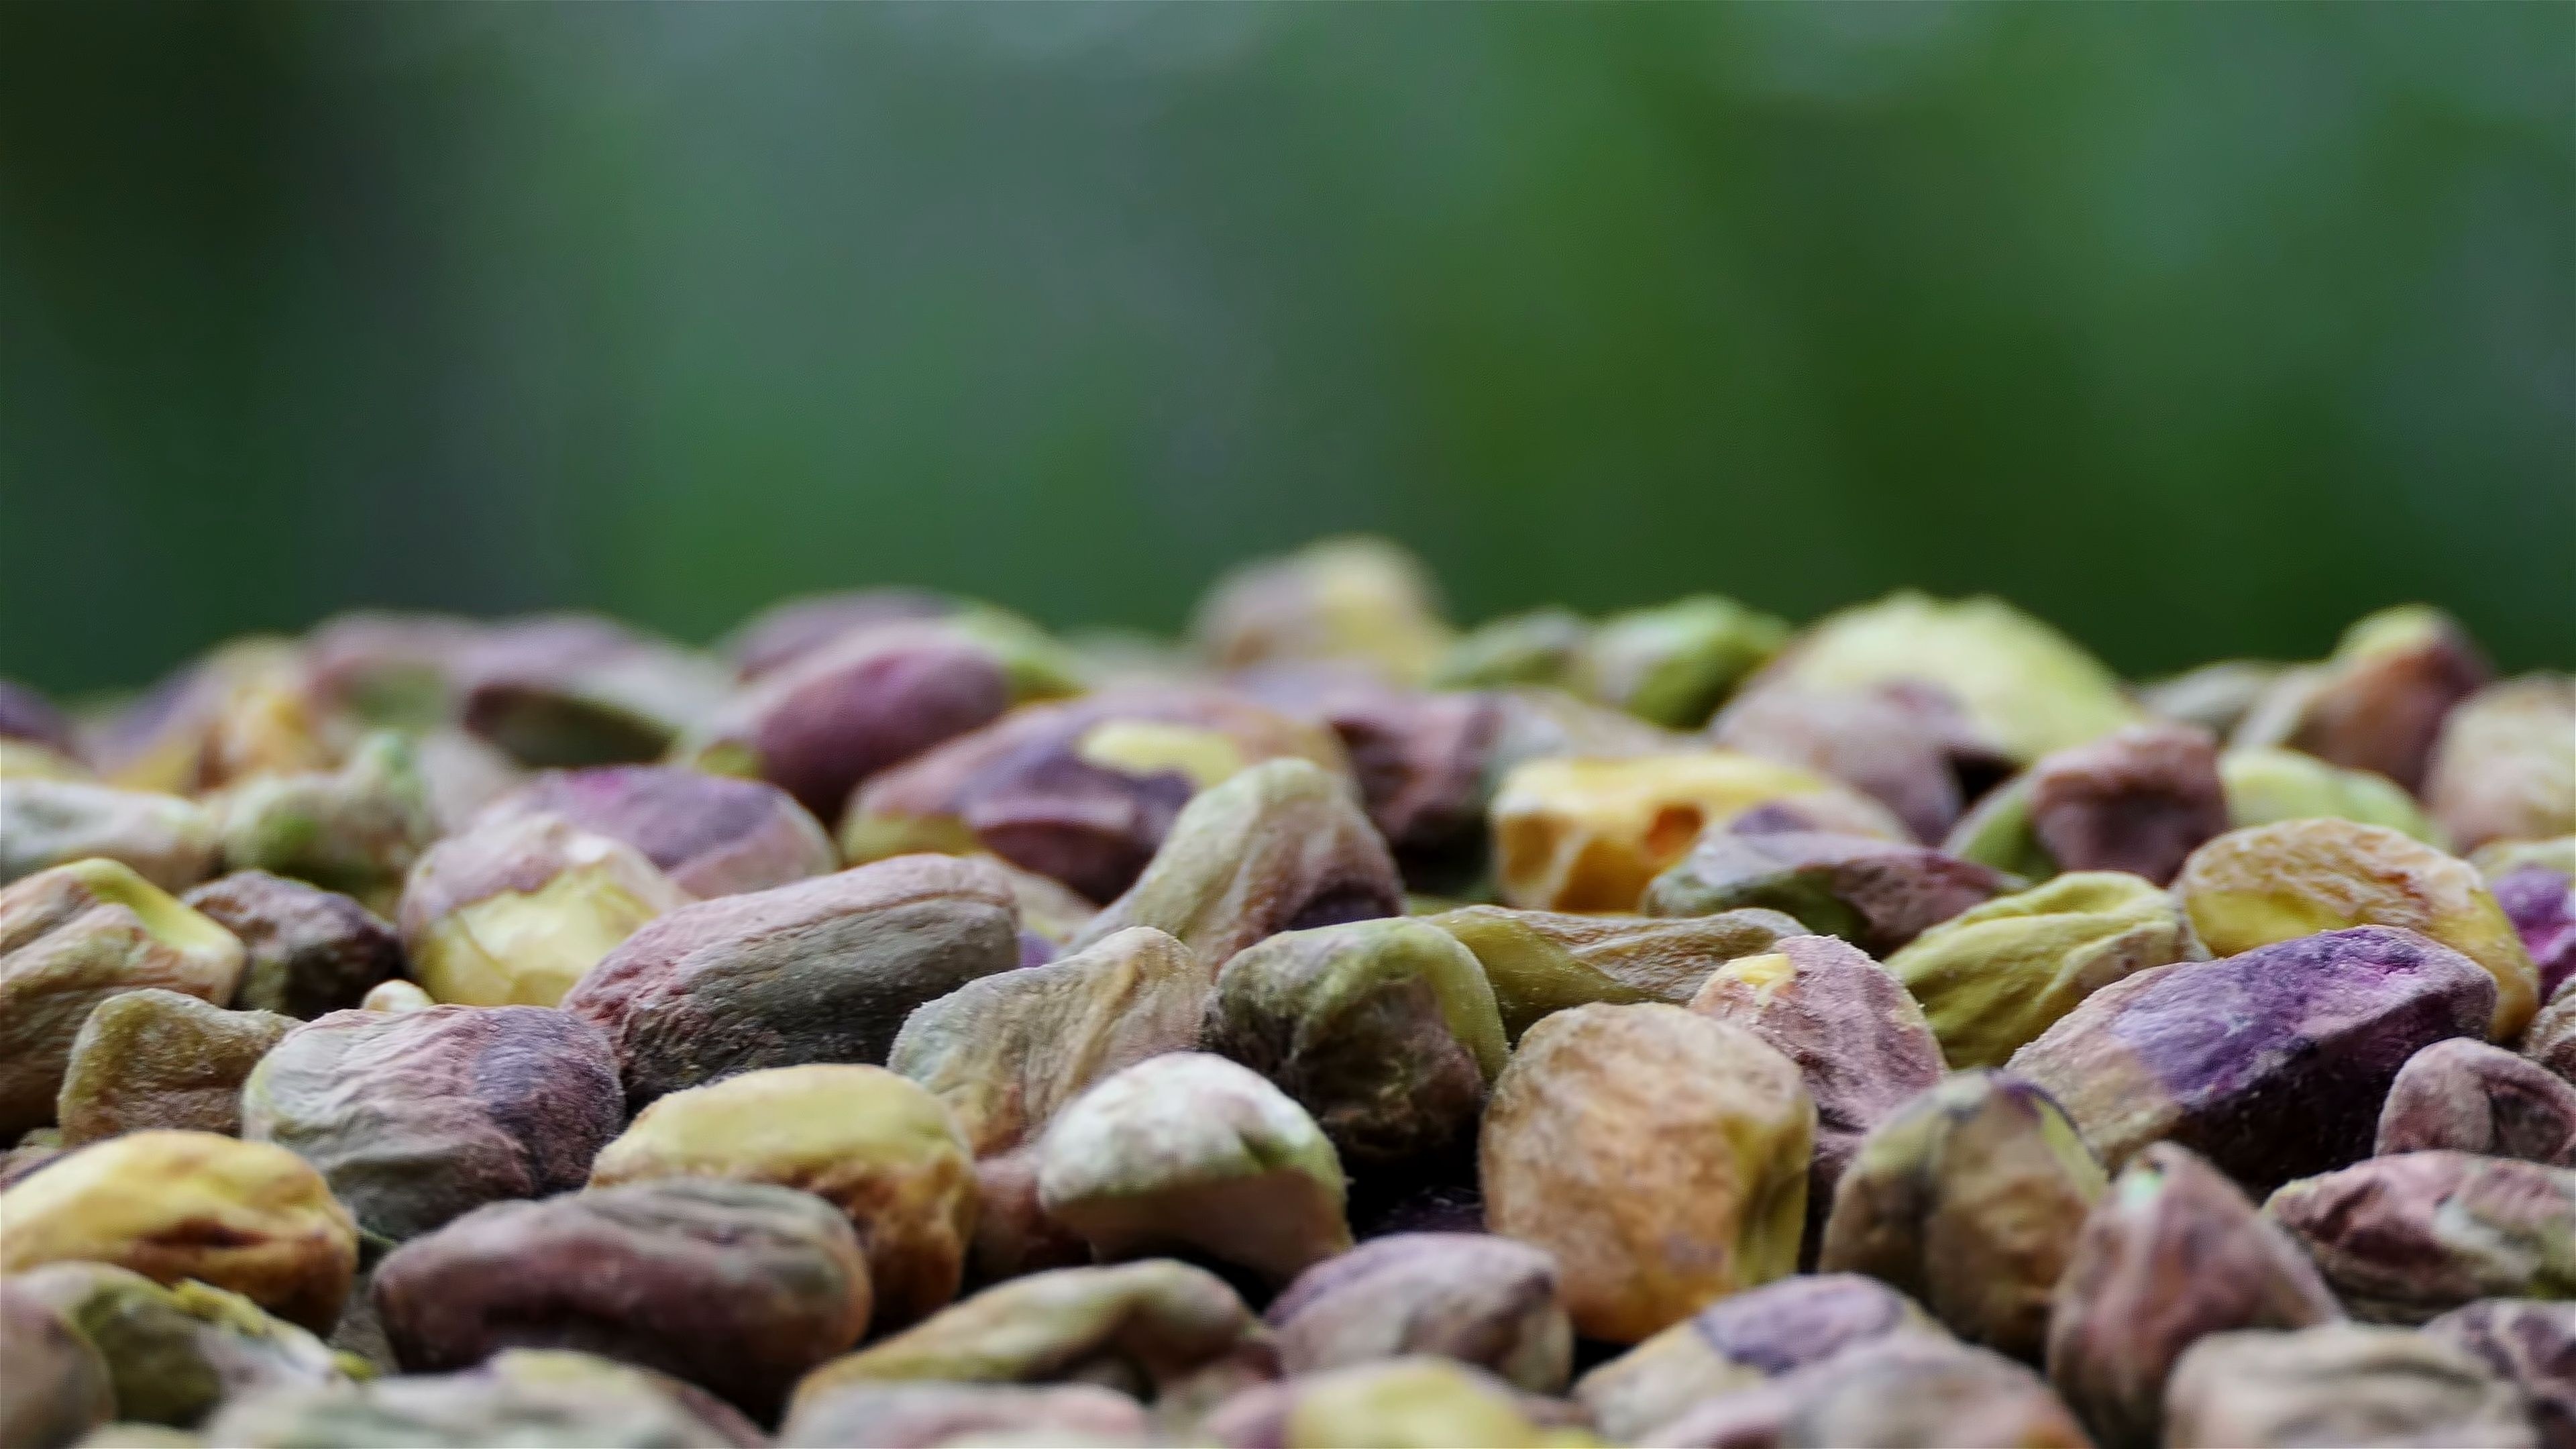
1968, 1200
2272, 1063
1996, 976
795, 627
2172, 1253
1590, 834
57, 1385
173, 1354
1158, 1329
2251, 888
2024, 688
46, 823
738, 1287
1537, 647
1752, 1338
1858, 1039
1540, 962
1281, 846
2502, 770
1660, 1155
824, 970
2403, 1239
2551, 1042
564, 690
155, 1058
1478, 1299
244, 1216
244, 709
926, 1415
26, 714
356, 829
2379, 703
70, 938
305, 951
2540, 900
2467, 1096
2267, 786
520, 1396
2213, 696
1903, 743
1191, 1152
396, 669
1675, 663
2339, 1385
1902, 1388
712, 835
871, 1143
1362, 600
1082, 791
418, 1116
2139, 800
1876, 894
2534, 1345
1385, 1030
1007, 1052
819, 725
516, 911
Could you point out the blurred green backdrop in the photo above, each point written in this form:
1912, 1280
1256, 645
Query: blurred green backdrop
2197, 329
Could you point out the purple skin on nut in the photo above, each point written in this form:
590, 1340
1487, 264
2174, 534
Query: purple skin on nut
712, 834
2273, 1063
2542, 906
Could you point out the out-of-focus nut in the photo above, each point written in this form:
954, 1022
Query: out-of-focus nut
2408, 1237
1479, 1299
2339, 1386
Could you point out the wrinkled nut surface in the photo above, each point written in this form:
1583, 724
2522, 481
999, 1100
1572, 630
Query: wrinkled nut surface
1418, 1402
1155, 1330
2467, 1096
2171, 1254
244, 1216
1741, 1342
824, 970
1660, 1155
2502, 770
155, 1058
1362, 600
2139, 800
521, 1397
711, 834
1082, 792
2339, 1385
1539, 962
738, 1287
1996, 976
45, 823
418, 1116
1281, 846
1968, 1200
2540, 900
305, 951
926, 1415
1479, 1299
2405, 1238
873, 1144
515, 912
2025, 688
2379, 703
1876, 894
2532, 1344
74, 936
1007, 1052
2270, 1064
173, 1354
1190, 1152
1590, 834
355, 830
1385, 1031
1858, 1040
2251, 888
56, 1385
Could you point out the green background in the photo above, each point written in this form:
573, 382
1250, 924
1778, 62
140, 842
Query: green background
2197, 329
